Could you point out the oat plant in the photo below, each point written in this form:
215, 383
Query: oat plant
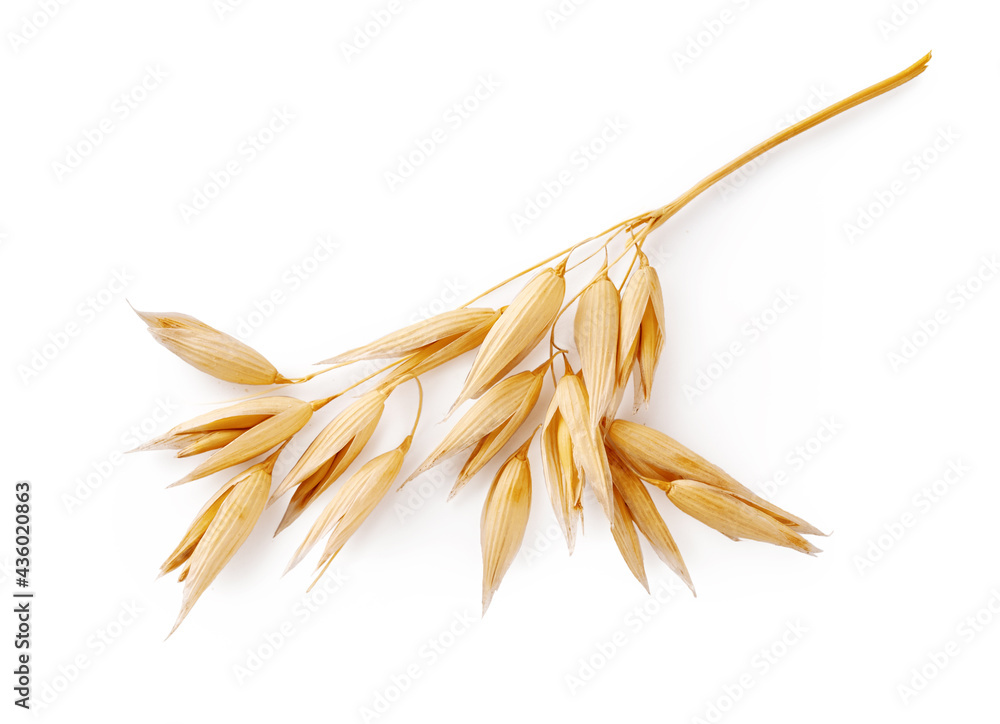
618, 330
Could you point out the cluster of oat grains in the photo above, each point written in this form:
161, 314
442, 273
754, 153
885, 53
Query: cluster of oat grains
618, 330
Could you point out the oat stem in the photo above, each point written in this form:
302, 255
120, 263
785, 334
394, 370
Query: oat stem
665, 212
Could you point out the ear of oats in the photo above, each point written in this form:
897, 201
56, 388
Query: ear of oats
258, 439
352, 504
517, 332
504, 519
491, 444
209, 350
733, 517
226, 532
588, 447
312, 487
338, 433
659, 458
648, 518
595, 329
495, 407
627, 540
446, 325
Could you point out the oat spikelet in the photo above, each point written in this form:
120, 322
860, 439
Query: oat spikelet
434, 355
647, 518
732, 516
352, 504
517, 332
502, 402
182, 553
658, 458
257, 439
239, 416
218, 532
562, 475
447, 325
314, 486
504, 520
627, 540
595, 329
334, 438
209, 350
488, 447
570, 404
642, 324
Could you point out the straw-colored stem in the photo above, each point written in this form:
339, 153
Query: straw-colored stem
665, 212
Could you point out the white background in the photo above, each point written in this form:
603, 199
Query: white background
858, 627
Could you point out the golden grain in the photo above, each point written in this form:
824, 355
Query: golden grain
595, 330
504, 519
209, 350
642, 324
352, 504
503, 402
648, 518
658, 458
520, 328
733, 516
570, 404
627, 540
219, 531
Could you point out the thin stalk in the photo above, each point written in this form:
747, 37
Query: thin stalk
665, 212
